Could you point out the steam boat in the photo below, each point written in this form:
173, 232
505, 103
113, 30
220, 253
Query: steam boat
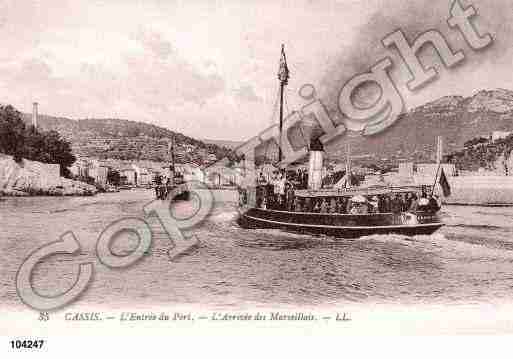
342, 224
344, 210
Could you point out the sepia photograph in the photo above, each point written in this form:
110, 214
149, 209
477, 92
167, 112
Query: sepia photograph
339, 167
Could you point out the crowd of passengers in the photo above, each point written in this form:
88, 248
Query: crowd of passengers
280, 195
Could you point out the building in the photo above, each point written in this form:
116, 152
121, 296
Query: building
90, 170
98, 172
128, 176
144, 177
497, 135
219, 176
429, 169
80, 169
101, 175
406, 169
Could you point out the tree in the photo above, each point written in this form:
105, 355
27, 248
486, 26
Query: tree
21, 141
57, 150
12, 129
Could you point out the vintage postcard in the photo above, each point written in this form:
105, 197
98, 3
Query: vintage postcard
336, 167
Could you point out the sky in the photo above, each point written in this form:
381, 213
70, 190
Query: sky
208, 69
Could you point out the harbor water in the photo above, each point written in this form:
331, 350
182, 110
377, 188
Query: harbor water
468, 261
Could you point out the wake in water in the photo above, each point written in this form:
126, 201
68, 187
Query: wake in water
477, 226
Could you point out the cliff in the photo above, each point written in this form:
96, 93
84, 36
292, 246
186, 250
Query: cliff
412, 138
36, 178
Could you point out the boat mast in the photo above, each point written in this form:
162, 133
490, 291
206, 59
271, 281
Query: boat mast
439, 155
348, 165
171, 150
283, 76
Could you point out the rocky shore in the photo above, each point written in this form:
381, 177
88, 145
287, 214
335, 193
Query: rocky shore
30, 178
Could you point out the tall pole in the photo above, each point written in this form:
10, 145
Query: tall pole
281, 122
348, 165
34, 114
283, 76
439, 153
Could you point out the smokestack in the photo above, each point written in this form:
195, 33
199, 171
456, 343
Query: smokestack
34, 114
315, 165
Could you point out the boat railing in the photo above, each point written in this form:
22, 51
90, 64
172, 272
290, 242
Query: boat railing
345, 219
418, 213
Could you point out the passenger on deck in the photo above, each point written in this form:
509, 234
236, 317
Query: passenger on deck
404, 202
324, 206
280, 183
423, 204
396, 205
289, 195
349, 206
264, 203
259, 196
261, 179
297, 205
304, 179
333, 205
433, 205
414, 203
337, 204
342, 206
359, 208
317, 207
308, 205
383, 204
374, 204
275, 201
269, 194
170, 184
407, 201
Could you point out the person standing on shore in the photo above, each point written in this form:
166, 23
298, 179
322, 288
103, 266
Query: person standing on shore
158, 184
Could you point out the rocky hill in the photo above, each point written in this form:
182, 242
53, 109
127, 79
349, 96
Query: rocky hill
457, 119
129, 140
412, 138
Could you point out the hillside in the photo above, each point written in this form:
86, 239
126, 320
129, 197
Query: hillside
455, 118
484, 153
129, 140
412, 138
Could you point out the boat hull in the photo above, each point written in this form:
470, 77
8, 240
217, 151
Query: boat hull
182, 196
339, 225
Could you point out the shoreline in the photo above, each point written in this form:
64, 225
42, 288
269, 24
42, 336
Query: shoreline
47, 193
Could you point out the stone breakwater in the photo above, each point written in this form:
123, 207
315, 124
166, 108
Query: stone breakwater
31, 178
477, 190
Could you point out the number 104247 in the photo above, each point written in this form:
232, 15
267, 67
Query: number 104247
27, 344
